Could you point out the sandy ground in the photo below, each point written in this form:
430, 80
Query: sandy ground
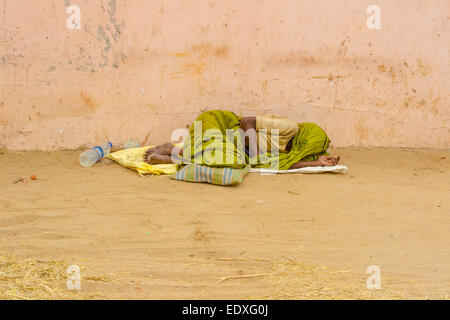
285, 236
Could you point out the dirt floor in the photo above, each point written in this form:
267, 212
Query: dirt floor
282, 237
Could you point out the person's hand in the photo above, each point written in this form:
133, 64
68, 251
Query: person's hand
327, 161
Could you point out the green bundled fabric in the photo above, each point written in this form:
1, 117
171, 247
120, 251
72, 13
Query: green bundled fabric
216, 140
309, 143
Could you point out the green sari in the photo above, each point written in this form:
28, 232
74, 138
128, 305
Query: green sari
216, 140
308, 144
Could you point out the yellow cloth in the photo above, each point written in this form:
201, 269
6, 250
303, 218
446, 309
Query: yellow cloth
132, 159
287, 129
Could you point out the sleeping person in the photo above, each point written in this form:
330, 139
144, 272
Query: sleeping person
222, 139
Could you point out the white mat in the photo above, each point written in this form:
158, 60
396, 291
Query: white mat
335, 169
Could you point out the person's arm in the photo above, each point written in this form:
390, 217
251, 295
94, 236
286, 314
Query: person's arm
322, 161
249, 123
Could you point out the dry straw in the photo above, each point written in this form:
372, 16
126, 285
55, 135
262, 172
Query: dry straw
28, 279
300, 281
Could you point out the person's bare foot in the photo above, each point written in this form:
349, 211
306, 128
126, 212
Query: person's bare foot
163, 149
156, 158
326, 161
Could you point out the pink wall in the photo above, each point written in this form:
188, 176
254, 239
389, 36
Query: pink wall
140, 69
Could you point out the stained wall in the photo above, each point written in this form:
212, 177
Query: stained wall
140, 69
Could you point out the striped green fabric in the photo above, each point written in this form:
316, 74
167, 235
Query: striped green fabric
219, 176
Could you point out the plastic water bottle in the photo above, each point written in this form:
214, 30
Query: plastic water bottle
130, 143
90, 157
